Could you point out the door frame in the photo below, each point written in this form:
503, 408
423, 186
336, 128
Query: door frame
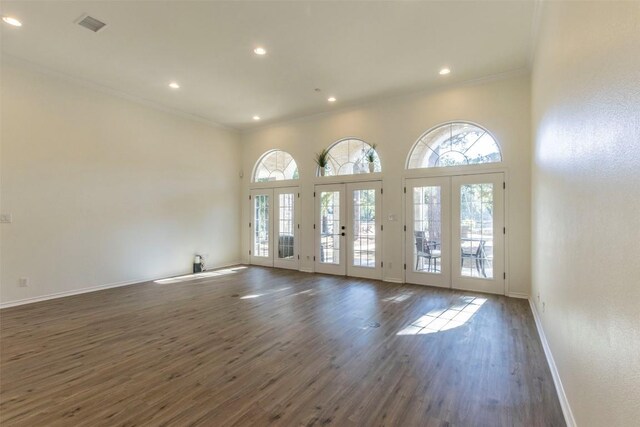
459, 171
443, 279
253, 258
273, 191
346, 253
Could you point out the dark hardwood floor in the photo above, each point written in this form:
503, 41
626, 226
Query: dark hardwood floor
265, 346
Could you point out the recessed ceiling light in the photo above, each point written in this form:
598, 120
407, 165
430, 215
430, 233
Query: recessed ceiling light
444, 71
332, 99
174, 85
260, 51
12, 21
256, 118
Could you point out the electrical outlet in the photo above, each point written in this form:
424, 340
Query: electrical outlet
5, 218
308, 257
23, 282
390, 265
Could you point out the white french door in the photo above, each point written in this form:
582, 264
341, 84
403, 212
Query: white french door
455, 232
348, 229
274, 227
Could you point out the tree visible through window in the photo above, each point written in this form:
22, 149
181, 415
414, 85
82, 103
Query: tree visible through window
454, 144
350, 157
275, 165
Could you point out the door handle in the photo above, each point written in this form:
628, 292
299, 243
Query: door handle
342, 227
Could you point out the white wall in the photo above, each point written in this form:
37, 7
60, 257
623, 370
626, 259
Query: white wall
104, 190
586, 204
500, 105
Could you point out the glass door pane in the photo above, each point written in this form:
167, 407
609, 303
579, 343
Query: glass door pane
286, 225
476, 230
262, 227
364, 228
427, 229
330, 232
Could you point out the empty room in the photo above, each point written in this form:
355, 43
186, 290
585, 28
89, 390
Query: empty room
313, 213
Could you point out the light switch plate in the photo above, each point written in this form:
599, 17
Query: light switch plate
5, 218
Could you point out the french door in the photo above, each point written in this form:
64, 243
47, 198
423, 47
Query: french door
274, 227
348, 229
455, 232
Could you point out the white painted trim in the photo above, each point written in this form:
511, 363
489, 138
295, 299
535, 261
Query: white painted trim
392, 280
564, 402
520, 295
305, 270
63, 294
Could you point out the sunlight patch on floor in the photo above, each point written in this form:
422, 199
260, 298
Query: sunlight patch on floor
444, 319
203, 275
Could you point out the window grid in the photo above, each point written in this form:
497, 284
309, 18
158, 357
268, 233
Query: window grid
476, 230
349, 157
454, 144
364, 228
427, 229
330, 227
286, 226
276, 165
261, 229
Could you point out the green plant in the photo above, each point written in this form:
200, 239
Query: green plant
371, 153
322, 158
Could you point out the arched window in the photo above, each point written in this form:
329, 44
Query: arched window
454, 144
352, 156
275, 165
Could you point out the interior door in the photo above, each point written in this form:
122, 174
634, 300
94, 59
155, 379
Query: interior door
428, 225
364, 210
478, 233
286, 242
330, 229
261, 225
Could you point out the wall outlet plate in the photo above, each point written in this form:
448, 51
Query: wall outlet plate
5, 218
23, 282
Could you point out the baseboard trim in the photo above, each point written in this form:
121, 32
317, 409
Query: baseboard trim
305, 270
564, 402
518, 295
392, 280
63, 294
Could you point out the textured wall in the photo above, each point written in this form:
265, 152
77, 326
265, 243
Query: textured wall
586, 204
103, 190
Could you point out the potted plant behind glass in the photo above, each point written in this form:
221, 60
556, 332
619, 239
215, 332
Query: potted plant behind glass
322, 160
371, 157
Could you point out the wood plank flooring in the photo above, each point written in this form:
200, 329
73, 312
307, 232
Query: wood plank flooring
263, 346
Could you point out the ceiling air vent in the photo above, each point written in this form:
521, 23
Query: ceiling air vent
91, 23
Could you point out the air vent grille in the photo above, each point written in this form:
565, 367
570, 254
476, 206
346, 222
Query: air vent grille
91, 23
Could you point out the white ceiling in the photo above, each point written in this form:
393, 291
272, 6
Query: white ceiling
353, 50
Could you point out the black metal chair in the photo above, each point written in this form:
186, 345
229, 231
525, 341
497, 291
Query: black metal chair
285, 246
426, 249
479, 256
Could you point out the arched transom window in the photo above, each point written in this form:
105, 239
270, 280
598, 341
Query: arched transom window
454, 144
275, 165
352, 156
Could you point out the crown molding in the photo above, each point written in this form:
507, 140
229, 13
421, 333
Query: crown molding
20, 62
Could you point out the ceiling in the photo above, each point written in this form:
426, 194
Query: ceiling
355, 51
